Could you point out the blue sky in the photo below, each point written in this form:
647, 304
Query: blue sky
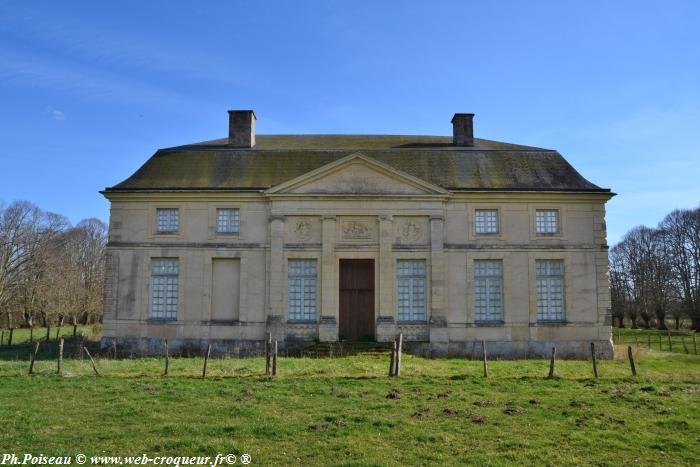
89, 90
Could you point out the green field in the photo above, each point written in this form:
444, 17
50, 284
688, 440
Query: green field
345, 411
681, 341
23, 335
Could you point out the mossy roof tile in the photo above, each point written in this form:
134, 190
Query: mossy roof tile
489, 165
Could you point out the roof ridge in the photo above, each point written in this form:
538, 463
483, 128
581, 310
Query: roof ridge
341, 141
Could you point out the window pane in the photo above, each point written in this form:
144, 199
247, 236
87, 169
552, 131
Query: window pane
167, 220
486, 221
547, 221
164, 288
228, 221
410, 290
488, 290
550, 290
301, 289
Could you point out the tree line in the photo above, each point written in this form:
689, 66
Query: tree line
655, 273
50, 272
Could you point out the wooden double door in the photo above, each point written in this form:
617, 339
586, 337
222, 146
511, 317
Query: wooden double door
356, 321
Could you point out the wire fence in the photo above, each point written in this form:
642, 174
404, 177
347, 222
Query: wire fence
677, 341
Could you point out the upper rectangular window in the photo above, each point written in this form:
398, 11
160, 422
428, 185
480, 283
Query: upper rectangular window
301, 289
550, 290
488, 290
228, 221
164, 288
486, 221
547, 221
167, 220
410, 289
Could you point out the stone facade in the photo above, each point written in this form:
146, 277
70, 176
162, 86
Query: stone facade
356, 208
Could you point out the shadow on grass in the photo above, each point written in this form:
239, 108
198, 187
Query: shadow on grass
48, 350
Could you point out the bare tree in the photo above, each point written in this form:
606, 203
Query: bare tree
88, 243
48, 270
682, 235
21, 235
620, 285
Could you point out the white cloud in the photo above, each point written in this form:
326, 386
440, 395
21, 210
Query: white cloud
87, 82
55, 114
82, 43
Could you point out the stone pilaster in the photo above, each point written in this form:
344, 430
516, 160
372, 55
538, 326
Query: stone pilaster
276, 315
328, 324
386, 321
111, 293
439, 337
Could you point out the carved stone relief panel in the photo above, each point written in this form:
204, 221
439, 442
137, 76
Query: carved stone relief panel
357, 229
303, 229
414, 230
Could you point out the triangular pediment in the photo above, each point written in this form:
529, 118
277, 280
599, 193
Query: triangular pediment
356, 174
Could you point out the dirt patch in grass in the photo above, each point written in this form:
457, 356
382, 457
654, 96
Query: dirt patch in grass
514, 410
476, 418
421, 414
318, 427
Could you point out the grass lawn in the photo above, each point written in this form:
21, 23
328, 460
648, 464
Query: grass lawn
345, 411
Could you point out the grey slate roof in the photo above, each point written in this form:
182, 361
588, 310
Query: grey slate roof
488, 165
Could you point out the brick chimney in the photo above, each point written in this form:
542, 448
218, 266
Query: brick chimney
241, 128
463, 130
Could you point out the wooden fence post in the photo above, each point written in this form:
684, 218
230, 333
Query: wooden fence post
114, 349
48, 332
94, 368
10, 327
619, 340
399, 350
206, 359
636, 341
695, 343
595, 365
670, 344
82, 348
268, 344
660, 347
392, 359
60, 356
33, 357
631, 357
685, 347
486, 363
2, 336
58, 331
551, 363
274, 359
167, 357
